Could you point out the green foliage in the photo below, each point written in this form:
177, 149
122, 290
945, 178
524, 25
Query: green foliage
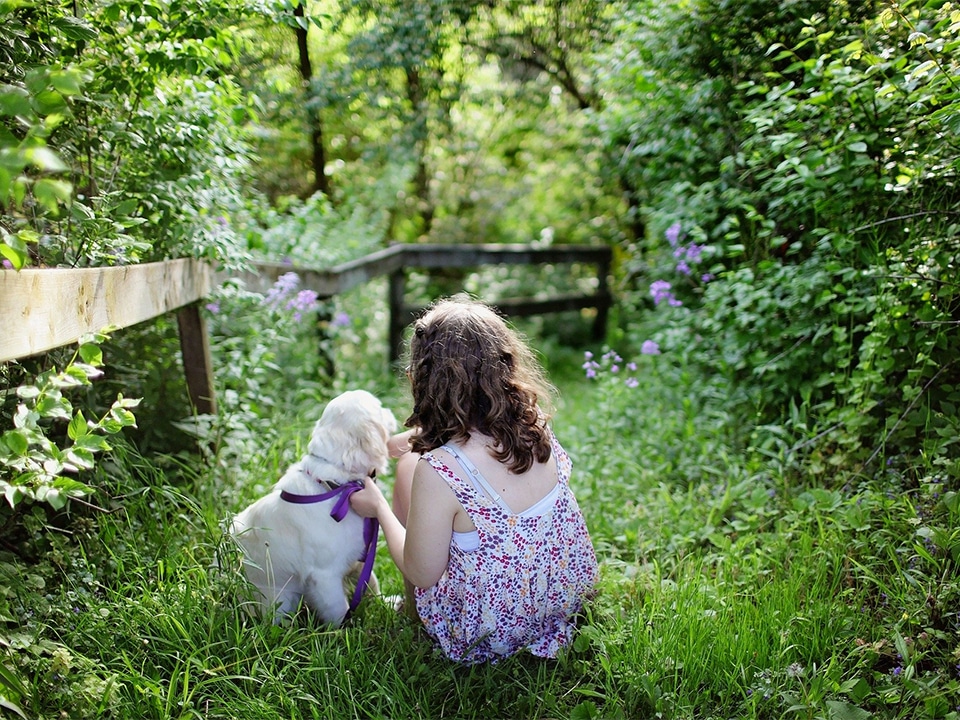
120, 137
825, 209
34, 465
734, 586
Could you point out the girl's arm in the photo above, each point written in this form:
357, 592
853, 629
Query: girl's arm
421, 550
433, 506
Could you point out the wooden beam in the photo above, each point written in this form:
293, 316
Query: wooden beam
47, 308
438, 256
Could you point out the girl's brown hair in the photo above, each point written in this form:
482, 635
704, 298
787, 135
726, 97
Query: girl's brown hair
470, 371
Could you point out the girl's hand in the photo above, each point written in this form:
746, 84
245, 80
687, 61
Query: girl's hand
399, 444
369, 502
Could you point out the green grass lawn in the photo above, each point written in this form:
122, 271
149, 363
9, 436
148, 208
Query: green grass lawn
731, 588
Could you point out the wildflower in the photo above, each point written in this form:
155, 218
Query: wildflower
683, 268
660, 290
896, 671
7, 265
213, 307
221, 221
614, 369
588, 355
795, 670
303, 301
673, 234
631, 382
591, 368
707, 277
284, 285
341, 319
694, 252
650, 347
632, 366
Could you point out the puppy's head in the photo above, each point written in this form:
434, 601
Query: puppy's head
352, 433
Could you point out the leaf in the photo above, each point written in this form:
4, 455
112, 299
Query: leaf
17, 441
17, 259
28, 392
50, 193
585, 711
858, 147
845, 711
93, 442
81, 457
45, 159
78, 426
14, 101
91, 354
89, 371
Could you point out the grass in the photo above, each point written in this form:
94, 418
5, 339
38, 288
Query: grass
731, 587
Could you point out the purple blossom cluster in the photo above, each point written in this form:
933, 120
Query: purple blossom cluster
615, 367
661, 291
284, 295
685, 255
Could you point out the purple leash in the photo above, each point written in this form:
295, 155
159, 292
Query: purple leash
371, 528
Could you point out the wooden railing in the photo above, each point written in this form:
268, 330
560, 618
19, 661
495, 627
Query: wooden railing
48, 308
51, 307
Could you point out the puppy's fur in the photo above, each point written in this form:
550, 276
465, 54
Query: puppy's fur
296, 552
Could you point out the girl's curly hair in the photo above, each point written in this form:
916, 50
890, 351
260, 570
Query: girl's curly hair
469, 371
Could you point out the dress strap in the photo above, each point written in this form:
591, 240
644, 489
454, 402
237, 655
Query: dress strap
479, 482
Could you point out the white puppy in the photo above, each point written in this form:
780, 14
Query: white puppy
295, 551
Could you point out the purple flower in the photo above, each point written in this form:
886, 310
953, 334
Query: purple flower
591, 372
7, 264
284, 285
660, 291
614, 369
683, 268
650, 347
213, 307
694, 252
707, 277
632, 367
673, 234
341, 319
631, 382
303, 301
221, 221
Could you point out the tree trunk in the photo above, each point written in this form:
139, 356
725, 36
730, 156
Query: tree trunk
318, 155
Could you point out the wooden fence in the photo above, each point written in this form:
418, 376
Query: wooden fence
48, 308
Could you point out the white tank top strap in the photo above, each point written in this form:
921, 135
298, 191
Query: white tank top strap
479, 482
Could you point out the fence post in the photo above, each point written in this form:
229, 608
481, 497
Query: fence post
197, 364
398, 284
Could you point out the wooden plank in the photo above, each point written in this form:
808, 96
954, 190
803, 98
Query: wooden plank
326, 283
439, 256
197, 364
43, 309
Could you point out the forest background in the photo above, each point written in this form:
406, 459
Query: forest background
765, 446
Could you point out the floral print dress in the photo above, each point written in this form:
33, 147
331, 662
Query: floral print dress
523, 583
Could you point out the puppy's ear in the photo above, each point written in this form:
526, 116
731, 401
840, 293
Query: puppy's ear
365, 447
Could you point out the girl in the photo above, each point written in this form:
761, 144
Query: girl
484, 525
